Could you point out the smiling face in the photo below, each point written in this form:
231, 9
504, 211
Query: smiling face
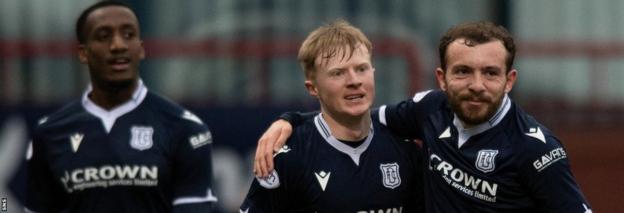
112, 48
345, 86
475, 79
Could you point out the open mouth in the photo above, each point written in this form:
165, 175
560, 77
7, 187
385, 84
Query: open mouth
121, 63
354, 97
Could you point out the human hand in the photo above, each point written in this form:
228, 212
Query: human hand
271, 141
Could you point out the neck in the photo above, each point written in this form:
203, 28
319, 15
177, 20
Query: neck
348, 128
109, 96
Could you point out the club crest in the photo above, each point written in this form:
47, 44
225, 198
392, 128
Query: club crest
390, 174
485, 160
141, 138
270, 182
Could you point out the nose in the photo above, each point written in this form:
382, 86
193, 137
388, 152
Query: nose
477, 85
353, 79
118, 44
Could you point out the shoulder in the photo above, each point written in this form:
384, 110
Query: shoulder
289, 160
302, 138
64, 115
529, 129
303, 143
174, 113
534, 139
382, 132
429, 96
424, 102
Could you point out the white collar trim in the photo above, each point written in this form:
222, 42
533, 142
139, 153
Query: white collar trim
354, 153
464, 134
109, 117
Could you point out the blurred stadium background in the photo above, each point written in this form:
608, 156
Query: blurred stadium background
233, 62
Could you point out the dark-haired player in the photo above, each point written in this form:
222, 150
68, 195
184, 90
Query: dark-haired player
483, 153
120, 148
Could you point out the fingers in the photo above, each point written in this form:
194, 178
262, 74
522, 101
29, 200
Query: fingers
267, 151
264, 151
271, 141
259, 160
286, 131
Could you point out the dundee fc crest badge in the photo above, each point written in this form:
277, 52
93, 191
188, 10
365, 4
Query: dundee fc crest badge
141, 138
485, 160
391, 176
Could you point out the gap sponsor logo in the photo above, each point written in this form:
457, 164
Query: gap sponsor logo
201, 139
388, 210
462, 180
549, 158
110, 175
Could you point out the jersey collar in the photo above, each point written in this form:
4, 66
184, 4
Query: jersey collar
354, 153
465, 134
108, 117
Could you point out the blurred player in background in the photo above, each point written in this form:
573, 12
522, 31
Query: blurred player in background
120, 148
342, 160
484, 154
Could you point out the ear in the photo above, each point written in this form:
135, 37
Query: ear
511, 79
142, 53
82, 54
312, 90
439, 73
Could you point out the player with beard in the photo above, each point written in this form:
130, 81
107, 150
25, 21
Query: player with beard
120, 148
483, 152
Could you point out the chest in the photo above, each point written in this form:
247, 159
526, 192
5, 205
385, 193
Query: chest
484, 170
135, 153
383, 181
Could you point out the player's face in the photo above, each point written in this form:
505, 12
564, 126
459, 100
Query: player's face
344, 86
475, 80
113, 48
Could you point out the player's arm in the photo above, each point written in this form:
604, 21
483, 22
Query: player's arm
192, 169
406, 117
265, 195
274, 138
43, 192
549, 178
271, 193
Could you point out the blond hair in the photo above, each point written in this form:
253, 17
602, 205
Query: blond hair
327, 41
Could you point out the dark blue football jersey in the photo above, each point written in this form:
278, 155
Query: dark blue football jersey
509, 164
147, 155
315, 172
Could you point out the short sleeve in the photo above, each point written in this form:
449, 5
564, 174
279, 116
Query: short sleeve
546, 171
406, 118
192, 168
43, 192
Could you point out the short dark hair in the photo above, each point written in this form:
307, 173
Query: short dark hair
478, 33
82, 19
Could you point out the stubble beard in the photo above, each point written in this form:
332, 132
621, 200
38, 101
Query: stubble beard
473, 117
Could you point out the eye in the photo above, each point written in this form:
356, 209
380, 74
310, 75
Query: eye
362, 68
128, 35
462, 71
102, 35
336, 73
492, 72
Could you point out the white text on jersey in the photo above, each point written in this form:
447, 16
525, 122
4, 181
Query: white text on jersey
463, 181
110, 175
549, 158
388, 210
